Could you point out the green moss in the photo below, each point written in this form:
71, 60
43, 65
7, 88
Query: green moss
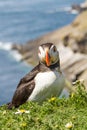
53, 114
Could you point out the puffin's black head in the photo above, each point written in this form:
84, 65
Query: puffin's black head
48, 54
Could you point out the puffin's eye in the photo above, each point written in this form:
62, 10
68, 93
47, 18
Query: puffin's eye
54, 49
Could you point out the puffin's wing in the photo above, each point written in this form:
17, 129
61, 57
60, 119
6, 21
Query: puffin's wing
29, 77
22, 93
24, 89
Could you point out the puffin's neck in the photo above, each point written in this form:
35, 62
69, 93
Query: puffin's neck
44, 67
54, 66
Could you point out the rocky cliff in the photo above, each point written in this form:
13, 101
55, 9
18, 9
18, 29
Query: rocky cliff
79, 7
71, 42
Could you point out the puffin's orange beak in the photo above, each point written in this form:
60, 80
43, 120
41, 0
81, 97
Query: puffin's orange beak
47, 59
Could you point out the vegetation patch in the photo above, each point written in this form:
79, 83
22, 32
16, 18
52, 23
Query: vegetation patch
53, 114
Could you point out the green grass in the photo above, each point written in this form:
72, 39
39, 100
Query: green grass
53, 114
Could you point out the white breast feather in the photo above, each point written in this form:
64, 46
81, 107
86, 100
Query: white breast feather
47, 84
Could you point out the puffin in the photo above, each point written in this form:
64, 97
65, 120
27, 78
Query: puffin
44, 81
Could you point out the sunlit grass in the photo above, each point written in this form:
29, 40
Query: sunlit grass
54, 114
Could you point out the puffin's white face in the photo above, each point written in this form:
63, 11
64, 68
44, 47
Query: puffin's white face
48, 54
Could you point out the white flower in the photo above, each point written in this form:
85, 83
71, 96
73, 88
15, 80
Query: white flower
22, 111
69, 125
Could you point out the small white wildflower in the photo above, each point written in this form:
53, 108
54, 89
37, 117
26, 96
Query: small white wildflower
22, 111
69, 125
